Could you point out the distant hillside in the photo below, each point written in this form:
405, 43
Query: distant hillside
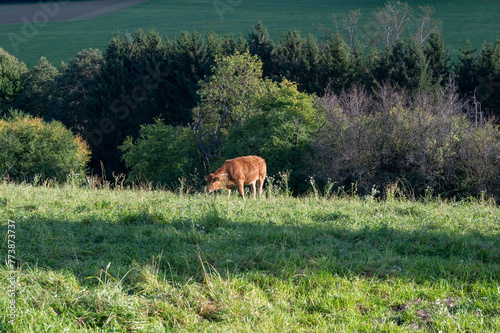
7, 2
462, 20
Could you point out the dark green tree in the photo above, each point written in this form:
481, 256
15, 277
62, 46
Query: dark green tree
465, 70
337, 64
133, 88
70, 95
313, 55
488, 85
438, 58
261, 45
404, 65
189, 63
297, 59
11, 74
39, 86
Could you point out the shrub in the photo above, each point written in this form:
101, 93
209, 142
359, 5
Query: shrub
426, 141
480, 161
31, 146
162, 154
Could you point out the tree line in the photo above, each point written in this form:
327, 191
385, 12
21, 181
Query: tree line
350, 107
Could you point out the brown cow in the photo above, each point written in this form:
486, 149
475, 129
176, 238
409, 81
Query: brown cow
240, 171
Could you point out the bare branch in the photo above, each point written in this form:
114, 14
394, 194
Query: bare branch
392, 21
425, 24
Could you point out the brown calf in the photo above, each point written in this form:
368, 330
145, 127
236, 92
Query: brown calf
240, 171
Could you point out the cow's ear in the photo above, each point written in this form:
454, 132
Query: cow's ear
206, 177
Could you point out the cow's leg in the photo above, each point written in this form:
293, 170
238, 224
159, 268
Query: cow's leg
261, 184
228, 193
253, 189
241, 189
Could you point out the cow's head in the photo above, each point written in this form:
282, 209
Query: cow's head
216, 183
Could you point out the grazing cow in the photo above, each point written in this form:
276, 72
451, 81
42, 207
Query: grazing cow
240, 171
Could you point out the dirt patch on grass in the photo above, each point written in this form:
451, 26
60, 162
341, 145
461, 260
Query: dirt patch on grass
61, 11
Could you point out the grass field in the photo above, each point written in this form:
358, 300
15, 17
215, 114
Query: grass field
59, 41
91, 260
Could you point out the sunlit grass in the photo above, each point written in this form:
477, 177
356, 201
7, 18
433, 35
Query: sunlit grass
94, 260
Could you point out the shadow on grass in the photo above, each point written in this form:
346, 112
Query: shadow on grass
183, 247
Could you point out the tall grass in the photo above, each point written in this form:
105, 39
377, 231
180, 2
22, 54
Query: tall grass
92, 260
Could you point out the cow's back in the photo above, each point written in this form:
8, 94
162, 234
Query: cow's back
246, 168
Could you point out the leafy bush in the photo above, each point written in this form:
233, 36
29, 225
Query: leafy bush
281, 132
161, 154
31, 146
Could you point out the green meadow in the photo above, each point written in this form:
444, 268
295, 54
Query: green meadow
83, 256
103, 260
462, 20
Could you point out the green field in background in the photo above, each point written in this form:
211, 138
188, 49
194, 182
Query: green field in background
58, 41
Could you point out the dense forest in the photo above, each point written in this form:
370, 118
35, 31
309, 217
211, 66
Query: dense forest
361, 107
